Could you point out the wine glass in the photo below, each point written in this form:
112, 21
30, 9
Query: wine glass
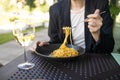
24, 33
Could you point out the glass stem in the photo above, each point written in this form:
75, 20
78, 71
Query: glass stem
25, 54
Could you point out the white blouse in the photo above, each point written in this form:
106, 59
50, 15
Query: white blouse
77, 24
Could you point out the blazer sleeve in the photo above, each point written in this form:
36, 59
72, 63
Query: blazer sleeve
105, 44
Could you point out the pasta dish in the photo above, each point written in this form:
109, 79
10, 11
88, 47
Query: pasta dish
63, 50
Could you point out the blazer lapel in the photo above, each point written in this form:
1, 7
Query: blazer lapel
66, 13
65, 16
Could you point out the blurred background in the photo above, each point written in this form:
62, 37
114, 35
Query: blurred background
10, 10
37, 12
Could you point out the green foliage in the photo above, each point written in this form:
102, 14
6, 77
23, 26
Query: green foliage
44, 8
31, 4
118, 50
12, 19
5, 37
114, 9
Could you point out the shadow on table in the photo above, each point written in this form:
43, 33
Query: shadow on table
1, 65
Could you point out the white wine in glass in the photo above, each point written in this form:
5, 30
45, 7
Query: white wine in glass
24, 35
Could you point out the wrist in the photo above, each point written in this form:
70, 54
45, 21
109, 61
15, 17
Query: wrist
96, 35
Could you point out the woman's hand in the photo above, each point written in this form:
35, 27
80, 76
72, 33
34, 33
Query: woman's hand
38, 43
42, 43
94, 24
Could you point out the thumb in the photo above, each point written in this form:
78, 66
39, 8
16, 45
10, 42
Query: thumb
97, 11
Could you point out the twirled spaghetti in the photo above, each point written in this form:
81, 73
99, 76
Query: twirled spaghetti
65, 51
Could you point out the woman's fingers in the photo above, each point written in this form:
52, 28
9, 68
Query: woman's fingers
43, 43
95, 15
97, 11
93, 29
38, 43
94, 21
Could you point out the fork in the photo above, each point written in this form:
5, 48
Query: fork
99, 14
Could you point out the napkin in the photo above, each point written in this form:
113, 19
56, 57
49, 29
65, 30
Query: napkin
116, 56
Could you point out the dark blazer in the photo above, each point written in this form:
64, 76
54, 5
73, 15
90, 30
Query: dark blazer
60, 16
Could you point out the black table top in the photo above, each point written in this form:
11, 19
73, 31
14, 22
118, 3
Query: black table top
86, 67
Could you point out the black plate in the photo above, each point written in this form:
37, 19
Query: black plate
45, 51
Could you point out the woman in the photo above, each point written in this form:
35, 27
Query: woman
90, 29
